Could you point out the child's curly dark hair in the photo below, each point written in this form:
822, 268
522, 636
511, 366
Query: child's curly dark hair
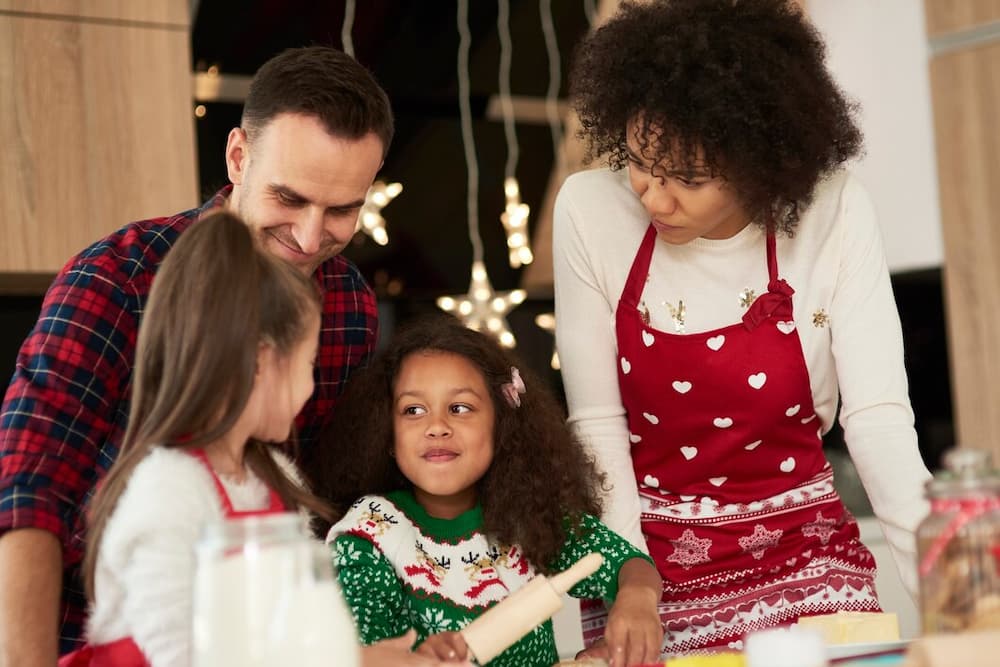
539, 483
744, 80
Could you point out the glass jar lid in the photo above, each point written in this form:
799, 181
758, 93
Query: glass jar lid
966, 472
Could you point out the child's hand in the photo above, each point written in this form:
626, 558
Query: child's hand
447, 646
633, 633
396, 653
598, 649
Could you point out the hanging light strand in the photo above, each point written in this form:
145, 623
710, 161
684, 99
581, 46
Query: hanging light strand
468, 141
555, 79
506, 104
347, 28
481, 308
370, 220
515, 215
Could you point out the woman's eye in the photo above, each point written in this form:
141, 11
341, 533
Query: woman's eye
692, 183
460, 409
413, 410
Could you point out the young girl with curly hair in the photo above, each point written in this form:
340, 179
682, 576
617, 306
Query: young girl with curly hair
717, 289
456, 481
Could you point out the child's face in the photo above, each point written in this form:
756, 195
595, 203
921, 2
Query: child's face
285, 383
443, 426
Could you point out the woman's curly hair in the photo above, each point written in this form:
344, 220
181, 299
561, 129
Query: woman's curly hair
539, 483
744, 80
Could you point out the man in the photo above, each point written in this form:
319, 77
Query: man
315, 130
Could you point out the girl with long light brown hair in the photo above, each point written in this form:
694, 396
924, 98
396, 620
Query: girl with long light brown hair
224, 363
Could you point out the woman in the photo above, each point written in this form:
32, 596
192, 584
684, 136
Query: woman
731, 281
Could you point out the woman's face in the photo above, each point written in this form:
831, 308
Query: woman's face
443, 426
682, 206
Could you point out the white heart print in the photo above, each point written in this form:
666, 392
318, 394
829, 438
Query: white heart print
649, 480
722, 422
626, 366
786, 327
647, 338
633, 438
788, 465
717, 481
752, 446
652, 419
689, 452
715, 343
808, 419
682, 386
688, 499
792, 411
757, 380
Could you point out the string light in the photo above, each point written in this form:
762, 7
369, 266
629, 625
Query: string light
555, 79
481, 308
370, 219
347, 28
515, 223
515, 215
547, 321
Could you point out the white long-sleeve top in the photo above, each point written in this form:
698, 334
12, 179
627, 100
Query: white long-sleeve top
844, 309
144, 578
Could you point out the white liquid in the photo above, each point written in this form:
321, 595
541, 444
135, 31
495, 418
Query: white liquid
265, 608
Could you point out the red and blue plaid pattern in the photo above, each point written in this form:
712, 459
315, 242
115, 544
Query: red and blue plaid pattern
66, 409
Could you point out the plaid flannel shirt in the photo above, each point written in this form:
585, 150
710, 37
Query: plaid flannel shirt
66, 409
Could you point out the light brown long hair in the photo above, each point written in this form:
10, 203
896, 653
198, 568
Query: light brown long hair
215, 299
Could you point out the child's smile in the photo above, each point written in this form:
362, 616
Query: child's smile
438, 455
443, 428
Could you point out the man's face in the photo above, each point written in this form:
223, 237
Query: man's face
299, 188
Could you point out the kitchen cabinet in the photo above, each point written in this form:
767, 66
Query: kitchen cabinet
96, 124
964, 39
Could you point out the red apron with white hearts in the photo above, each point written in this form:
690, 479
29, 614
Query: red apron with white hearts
125, 652
738, 505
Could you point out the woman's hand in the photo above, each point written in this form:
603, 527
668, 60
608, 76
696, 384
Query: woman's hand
396, 653
633, 635
447, 646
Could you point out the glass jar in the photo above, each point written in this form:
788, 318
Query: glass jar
265, 596
958, 546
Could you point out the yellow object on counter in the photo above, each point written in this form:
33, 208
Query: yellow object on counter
854, 627
715, 660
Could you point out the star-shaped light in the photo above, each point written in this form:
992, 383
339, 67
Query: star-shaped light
547, 321
483, 309
515, 223
370, 220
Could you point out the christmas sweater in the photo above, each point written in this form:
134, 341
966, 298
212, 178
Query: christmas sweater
400, 568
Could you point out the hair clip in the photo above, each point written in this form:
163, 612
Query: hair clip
512, 390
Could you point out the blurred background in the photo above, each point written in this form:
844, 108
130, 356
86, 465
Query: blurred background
121, 110
116, 111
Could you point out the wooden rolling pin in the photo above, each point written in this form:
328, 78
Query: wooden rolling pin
504, 624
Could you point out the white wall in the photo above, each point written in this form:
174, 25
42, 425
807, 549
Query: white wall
877, 51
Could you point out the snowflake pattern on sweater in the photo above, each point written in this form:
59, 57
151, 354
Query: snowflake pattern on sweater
401, 568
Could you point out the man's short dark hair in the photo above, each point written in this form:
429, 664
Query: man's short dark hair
323, 82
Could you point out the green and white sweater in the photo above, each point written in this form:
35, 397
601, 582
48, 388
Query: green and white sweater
400, 568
